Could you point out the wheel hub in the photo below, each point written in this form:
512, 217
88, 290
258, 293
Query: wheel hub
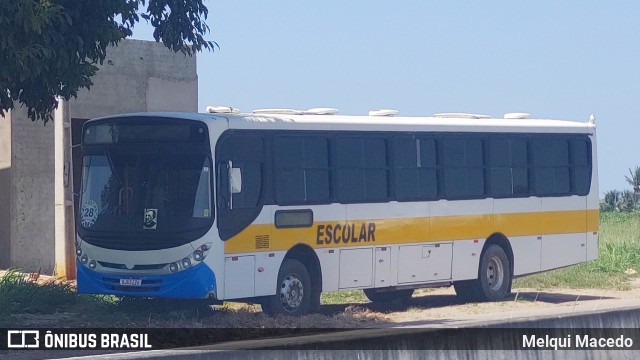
495, 273
291, 292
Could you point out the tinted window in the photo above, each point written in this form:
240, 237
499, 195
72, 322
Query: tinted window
551, 165
144, 130
520, 176
427, 152
314, 169
247, 153
249, 197
463, 167
508, 172
301, 170
500, 180
499, 152
519, 152
550, 152
453, 152
414, 168
581, 168
361, 169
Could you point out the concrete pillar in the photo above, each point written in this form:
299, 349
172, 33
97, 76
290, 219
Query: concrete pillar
5, 185
31, 194
63, 198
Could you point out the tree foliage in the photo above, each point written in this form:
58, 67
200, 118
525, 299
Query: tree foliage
50, 48
626, 200
634, 179
615, 200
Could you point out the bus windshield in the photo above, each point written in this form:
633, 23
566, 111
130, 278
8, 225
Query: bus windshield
149, 193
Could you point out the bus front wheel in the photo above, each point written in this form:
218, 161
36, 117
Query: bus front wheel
294, 293
494, 277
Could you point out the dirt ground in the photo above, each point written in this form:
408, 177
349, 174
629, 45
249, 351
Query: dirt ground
440, 307
428, 307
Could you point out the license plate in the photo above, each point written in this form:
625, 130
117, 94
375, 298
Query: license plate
131, 282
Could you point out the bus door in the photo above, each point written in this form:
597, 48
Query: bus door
240, 167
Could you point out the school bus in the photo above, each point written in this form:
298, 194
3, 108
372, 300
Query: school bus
278, 205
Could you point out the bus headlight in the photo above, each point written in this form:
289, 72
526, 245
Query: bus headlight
84, 259
192, 259
78, 251
201, 252
92, 264
198, 255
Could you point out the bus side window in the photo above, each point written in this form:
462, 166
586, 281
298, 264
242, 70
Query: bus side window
246, 152
581, 166
551, 166
415, 169
508, 167
360, 170
463, 167
301, 170
249, 193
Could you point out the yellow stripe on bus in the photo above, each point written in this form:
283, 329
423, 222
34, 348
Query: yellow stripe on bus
331, 234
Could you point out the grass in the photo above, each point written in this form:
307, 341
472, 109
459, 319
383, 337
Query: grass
343, 297
26, 302
21, 295
618, 259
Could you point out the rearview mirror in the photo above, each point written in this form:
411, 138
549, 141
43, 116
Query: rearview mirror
235, 180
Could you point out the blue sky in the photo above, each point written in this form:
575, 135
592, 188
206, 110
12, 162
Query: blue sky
553, 59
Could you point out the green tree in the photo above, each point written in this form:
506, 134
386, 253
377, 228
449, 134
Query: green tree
610, 201
50, 48
626, 201
634, 180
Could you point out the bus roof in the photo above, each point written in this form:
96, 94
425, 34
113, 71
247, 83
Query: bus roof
377, 123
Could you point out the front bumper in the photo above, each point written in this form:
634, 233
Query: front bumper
198, 282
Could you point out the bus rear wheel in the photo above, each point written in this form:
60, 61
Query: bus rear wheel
377, 296
294, 293
494, 277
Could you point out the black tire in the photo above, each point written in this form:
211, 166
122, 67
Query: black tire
293, 279
494, 277
467, 290
377, 296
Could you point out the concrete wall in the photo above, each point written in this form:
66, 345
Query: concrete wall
136, 76
31, 194
139, 76
5, 183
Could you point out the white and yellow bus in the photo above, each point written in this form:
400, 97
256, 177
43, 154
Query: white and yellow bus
278, 205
